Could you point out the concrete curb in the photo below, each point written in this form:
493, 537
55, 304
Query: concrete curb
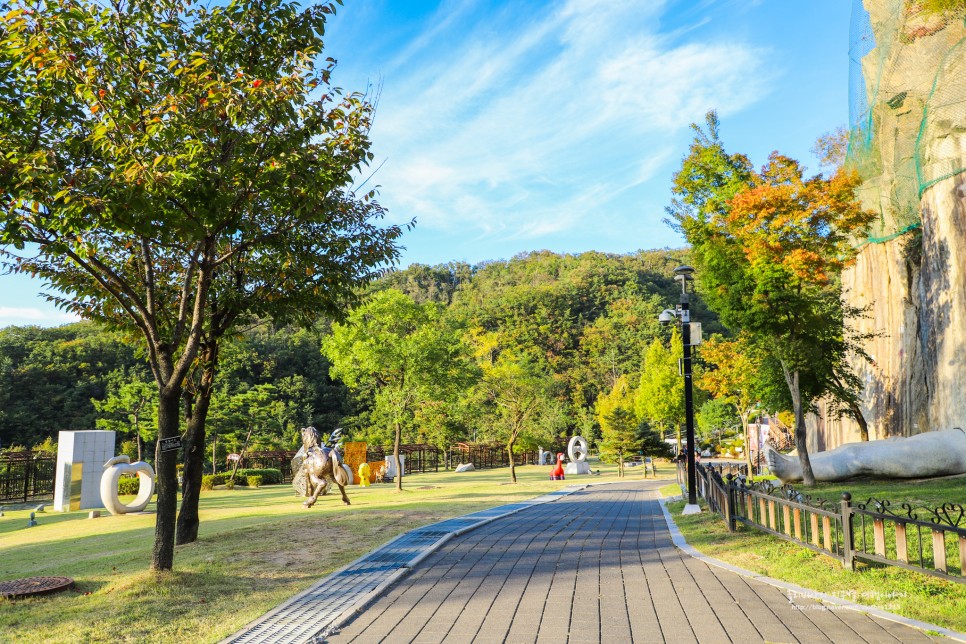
679, 541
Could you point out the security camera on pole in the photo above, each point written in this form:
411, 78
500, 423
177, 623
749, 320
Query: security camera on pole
682, 315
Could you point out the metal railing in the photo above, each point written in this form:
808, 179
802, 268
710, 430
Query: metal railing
927, 540
26, 476
420, 457
485, 456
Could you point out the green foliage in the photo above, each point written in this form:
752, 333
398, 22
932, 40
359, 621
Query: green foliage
611, 305
254, 481
402, 356
130, 408
128, 485
176, 171
209, 481
619, 436
660, 395
716, 415
268, 476
128, 448
769, 247
518, 396
651, 443
55, 373
49, 446
620, 396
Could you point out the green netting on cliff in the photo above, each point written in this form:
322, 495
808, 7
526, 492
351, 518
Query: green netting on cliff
907, 106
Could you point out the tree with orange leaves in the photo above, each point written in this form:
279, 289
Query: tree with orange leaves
769, 247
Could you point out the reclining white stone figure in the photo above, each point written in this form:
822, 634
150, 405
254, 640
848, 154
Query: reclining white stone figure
925, 455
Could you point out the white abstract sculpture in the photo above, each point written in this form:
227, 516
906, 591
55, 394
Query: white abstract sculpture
79, 458
938, 453
113, 469
391, 466
577, 449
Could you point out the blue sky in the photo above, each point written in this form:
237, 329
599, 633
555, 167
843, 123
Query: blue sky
504, 127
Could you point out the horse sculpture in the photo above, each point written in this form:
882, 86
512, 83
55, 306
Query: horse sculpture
321, 468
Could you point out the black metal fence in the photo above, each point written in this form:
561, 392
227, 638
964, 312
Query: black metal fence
927, 540
487, 455
420, 457
26, 476
278, 459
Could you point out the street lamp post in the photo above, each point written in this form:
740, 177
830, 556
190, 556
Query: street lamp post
683, 315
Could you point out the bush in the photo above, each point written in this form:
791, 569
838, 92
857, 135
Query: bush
254, 480
230, 484
128, 485
270, 476
209, 481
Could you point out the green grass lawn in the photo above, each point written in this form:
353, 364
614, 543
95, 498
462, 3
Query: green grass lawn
256, 548
907, 593
932, 492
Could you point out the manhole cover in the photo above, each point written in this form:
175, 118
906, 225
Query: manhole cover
18, 588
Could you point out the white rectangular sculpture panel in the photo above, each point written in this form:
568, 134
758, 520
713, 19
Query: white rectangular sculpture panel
391, 465
80, 464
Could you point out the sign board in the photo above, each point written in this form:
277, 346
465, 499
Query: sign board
170, 444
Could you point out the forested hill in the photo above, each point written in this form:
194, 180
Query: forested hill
587, 319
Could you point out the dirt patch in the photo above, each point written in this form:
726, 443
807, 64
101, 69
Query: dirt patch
304, 544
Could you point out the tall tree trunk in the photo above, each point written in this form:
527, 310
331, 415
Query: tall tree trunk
241, 454
801, 444
395, 455
509, 453
194, 452
165, 464
140, 442
744, 415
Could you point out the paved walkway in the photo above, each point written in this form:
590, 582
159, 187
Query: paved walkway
595, 566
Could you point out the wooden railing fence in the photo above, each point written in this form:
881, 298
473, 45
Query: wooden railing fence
927, 540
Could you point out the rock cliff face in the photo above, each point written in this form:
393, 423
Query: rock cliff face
909, 144
915, 290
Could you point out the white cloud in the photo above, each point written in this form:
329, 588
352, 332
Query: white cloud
526, 125
32, 315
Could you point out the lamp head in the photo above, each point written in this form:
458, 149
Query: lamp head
685, 270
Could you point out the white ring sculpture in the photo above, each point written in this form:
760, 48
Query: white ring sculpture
577, 449
113, 469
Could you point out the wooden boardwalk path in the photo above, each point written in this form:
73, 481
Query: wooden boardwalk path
596, 566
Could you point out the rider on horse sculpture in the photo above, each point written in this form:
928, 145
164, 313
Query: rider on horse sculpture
315, 467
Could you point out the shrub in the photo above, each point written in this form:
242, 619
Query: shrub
128, 485
270, 476
209, 481
230, 484
254, 480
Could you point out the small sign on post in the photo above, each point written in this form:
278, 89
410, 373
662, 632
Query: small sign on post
170, 444
695, 334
